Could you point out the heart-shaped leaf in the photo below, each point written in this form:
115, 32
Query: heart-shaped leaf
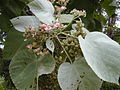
25, 67
78, 76
102, 55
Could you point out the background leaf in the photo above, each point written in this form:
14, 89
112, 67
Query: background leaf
14, 40
109, 9
5, 24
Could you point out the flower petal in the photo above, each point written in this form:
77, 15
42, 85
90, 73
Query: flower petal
43, 9
24, 21
102, 55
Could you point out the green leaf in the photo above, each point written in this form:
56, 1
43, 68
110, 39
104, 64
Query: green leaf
26, 1
90, 81
89, 23
11, 7
115, 3
25, 67
68, 76
5, 24
16, 9
99, 18
8, 10
78, 75
88, 5
43, 10
102, 55
109, 9
1, 87
46, 64
98, 25
21, 22
66, 18
13, 41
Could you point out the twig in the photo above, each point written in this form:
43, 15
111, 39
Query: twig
64, 49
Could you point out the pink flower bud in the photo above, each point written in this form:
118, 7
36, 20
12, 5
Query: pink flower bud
59, 9
32, 28
48, 28
29, 46
63, 8
37, 49
42, 26
62, 0
57, 24
34, 34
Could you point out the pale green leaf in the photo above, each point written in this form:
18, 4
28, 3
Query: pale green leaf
50, 45
90, 80
43, 10
68, 76
46, 64
115, 3
102, 55
66, 18
21, 22
25, 67
78, 75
